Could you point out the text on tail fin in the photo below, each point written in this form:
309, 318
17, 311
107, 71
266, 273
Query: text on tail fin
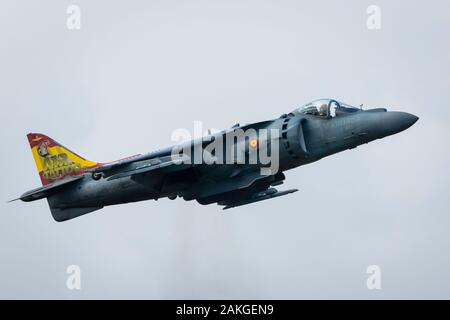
54, 161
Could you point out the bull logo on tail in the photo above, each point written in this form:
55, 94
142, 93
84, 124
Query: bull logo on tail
42, 149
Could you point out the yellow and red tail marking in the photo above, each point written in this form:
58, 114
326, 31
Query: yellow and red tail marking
54, 161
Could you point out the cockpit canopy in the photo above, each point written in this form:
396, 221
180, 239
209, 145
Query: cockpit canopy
326, 108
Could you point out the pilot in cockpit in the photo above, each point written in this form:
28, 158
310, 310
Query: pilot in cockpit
323, 110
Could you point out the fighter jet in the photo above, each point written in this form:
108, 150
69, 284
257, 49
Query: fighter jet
233, 167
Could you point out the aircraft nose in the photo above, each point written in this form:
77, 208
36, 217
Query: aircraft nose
395, 121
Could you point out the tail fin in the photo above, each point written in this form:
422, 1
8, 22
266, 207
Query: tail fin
55, 161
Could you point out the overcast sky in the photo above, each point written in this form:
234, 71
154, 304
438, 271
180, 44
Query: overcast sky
137, 70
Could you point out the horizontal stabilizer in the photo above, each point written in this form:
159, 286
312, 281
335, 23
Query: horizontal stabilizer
48, 190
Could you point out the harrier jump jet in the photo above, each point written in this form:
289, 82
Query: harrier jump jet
75, 186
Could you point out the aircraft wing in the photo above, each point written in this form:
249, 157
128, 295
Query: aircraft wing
239, 191
152, 165
256, 197
162, 171
166, 152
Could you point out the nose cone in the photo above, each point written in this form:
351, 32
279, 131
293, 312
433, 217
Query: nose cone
394, 122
